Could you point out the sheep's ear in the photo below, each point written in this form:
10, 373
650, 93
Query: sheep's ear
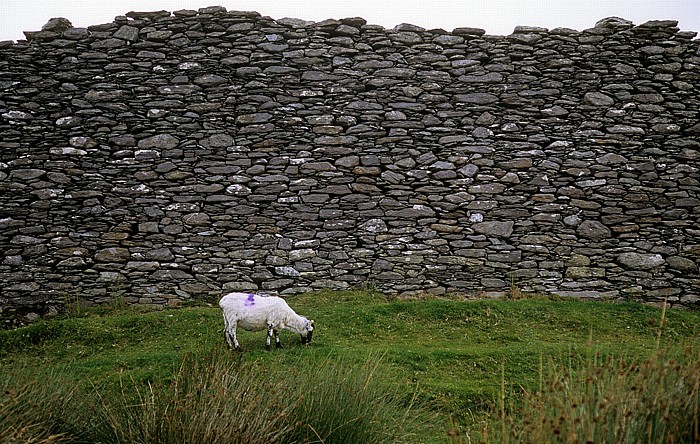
312, 324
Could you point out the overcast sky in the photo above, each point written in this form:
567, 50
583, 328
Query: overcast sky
497, 17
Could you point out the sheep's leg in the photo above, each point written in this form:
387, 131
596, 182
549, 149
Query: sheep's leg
270, 330
231, 334
228, 340
278, 344
236, 346
227, 335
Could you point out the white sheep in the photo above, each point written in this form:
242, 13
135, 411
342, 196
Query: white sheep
255, 312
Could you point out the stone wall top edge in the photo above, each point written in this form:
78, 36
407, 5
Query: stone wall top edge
607, 26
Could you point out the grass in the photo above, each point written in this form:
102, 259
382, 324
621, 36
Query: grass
404, 370
612, 400
217, 398
616, 399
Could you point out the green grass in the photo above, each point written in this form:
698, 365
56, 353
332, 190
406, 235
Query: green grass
440, 360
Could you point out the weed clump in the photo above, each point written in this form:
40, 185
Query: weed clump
598, 399
607, 400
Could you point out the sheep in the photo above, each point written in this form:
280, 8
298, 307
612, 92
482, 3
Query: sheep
255, 312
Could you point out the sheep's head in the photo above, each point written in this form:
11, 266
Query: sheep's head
308, 332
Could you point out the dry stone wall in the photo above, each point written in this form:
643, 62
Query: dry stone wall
165, 157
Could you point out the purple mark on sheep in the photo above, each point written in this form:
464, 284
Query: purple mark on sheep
250, 301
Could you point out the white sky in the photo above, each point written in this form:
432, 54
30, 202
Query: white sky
497, 17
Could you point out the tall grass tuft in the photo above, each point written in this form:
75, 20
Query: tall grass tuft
344, 403
33, 408
608, 400
211, 398
214, 397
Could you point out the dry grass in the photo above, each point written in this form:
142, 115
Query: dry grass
210, 399
214, 397
32, 413
614, 400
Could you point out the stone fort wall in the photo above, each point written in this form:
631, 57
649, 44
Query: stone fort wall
165, 157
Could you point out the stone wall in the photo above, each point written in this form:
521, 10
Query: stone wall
165, 157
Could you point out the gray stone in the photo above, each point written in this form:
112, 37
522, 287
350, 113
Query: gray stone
196, 219
613, 22
690, 202
57, 24
494, 228
238, 189
492, 77
69, 122
72, 262
406, 37
400, 73
76, 33
318, 76
210, 80
625, 129
113, 254
273, 48
416, 211
129, 33
584, 272
160, 141
682, 264
493, 283
26, 174
218, 141
287, 271
611, 159
362, 105
337, 140
108, 44
212, 10
578, 260
477, 98
14, 261
150, 55
348, 162
159, 36
525, 39
639, 261
17, 115
82, 142
492, 188
594, 230
374, 226
598, 99
469, 31
158, 255
248, 119
142, 265
555, 111
301, 254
